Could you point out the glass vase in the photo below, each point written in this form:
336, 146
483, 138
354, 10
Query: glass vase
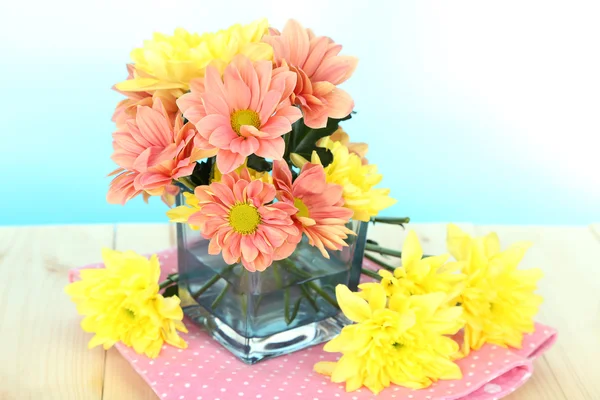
257, 315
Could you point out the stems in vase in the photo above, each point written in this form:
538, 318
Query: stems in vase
171, 279
216, 302
380, 263
370, 274
391, 220
382, 250
212, 281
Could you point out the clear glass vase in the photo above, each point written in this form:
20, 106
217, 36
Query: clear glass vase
257, 315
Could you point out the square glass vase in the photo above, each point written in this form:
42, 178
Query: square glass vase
258, 315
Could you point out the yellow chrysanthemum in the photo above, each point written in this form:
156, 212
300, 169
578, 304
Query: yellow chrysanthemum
121, 303
184, 212
254, 175
498, 299
401, 341
358, 180
419, 275
171, 62
358, 148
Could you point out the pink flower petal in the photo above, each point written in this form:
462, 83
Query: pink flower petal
209, 123
298, 42
153, 126
269, 105
249, 250
216, 104
222, 137
318, 48
264, 70
277, 126
238, 94
271, 148
315, 117
228, 161
223, 193
339, 103
335, 69
213, 82
244, 145
292, 113
250, 131
192, 107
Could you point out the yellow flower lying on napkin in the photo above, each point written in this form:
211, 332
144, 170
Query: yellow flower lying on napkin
498, 299
401, 341
121, 303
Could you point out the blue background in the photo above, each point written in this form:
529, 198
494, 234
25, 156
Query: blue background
485, 113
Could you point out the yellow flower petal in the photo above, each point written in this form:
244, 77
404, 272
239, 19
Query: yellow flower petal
498, 299
376, 298
492, 244
357, 180
346, 368
324, 367
121, 303
353, 307
298, 160
458, 242
411, 250
172, 61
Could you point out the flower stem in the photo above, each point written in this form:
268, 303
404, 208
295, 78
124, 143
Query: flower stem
286, 305
216, 302
391, 220
212, 281
379, 262
308, 296
311, 284
187, 183
172, 278
370, 274
382, 250
323, 294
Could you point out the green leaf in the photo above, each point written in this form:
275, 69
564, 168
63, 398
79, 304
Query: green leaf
202, 172
258, 163
308, 137
292, 317
171, 291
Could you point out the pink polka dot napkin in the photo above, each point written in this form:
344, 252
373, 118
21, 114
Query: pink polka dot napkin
206, 371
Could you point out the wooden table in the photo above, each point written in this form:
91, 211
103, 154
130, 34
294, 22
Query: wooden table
44, 352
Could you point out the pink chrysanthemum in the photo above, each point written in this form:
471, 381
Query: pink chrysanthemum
152, 152
321, 215
319, 68
236, 216
127, 108
245, 112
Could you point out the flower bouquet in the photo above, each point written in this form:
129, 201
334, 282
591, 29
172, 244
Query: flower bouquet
239, 133
243, 127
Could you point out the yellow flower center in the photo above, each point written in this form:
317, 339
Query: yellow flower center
244, 218
302, 208
244, 117
129, 313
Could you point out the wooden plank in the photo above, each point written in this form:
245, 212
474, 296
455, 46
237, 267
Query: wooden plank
44, 353
568, 256
121, 381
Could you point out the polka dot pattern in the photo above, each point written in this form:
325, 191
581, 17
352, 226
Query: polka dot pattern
205, 371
